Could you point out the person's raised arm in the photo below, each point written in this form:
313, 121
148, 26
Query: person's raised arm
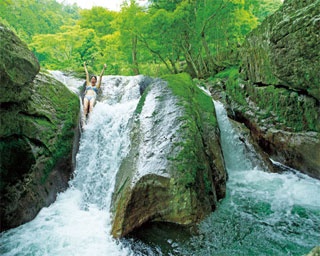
100, 79
87, 73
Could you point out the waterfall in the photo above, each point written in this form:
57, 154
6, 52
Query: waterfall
78, 223
262, 214
72, 83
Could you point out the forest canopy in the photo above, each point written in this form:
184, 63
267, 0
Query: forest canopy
200, 37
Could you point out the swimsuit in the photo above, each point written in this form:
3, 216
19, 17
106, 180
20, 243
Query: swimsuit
90, 97
95, 89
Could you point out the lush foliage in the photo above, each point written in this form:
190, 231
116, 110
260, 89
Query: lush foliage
286, 109
199, 37
262, 8
31, 17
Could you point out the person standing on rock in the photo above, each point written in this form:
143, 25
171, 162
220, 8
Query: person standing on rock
91, 91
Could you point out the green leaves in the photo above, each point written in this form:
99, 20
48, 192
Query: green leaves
66, 49
99, 19
199, 37
31, 17
262, 8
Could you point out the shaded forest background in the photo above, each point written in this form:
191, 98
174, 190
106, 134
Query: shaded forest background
200, 37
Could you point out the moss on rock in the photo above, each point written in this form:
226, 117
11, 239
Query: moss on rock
18, 66
37, 131
276, 94
174, 171
284, 50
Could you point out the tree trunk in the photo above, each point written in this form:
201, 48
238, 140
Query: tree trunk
212, 66
157, 54
173, 65
186, 49
135, 64
191, 65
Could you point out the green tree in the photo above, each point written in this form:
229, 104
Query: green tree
129, 23
170, 5
99, 19
67, 49
159, 38
32, 17
262, 8
204, 34
200, 32
113, 53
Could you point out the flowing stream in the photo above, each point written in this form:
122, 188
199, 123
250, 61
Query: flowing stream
262, 214
78, 223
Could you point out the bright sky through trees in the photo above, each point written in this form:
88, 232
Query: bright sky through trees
113, 5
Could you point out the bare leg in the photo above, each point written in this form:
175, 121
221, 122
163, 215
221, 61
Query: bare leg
91, 104
85, 111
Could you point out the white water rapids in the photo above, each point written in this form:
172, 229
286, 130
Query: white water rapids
78, 223
263, 213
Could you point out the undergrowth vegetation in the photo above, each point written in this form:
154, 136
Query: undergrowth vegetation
198, 111
283, 108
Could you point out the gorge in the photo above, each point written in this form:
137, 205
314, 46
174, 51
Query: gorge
156, 151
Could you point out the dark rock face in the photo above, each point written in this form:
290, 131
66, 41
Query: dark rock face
174, 171
38, 120
277, 97
285, 49
13, 76
283, 125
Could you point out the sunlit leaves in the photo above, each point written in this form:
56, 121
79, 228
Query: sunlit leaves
99, 19
262, 8
130, 23
204, 34
31, 17
66, 49
113, 53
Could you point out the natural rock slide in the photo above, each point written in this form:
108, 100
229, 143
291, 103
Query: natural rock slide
38, 133
174, 170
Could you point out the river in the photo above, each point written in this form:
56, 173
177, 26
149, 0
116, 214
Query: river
262, 214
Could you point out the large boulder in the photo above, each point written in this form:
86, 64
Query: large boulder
18, 66
38, 118
284, 50
277, 93
284, 124
174, 171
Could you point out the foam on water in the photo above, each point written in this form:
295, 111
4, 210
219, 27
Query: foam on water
263, 213
78, 223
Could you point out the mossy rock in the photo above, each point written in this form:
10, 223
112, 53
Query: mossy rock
18, 67
285, 50
283, 123
37, 133
174, 171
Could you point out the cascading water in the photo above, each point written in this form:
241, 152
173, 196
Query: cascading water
262, 214
78, 223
